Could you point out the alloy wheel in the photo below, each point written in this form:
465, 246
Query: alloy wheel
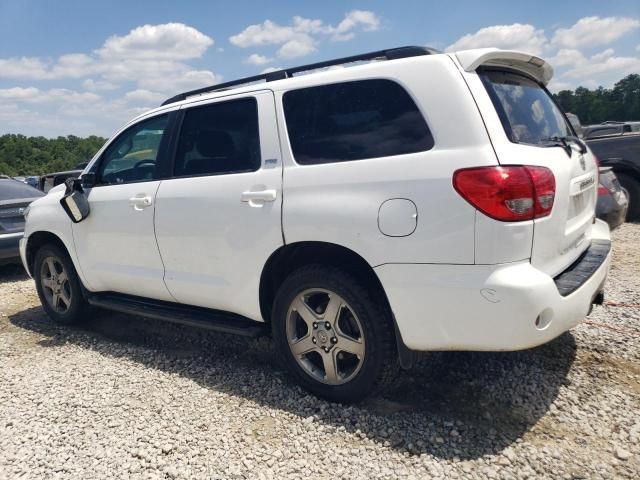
55, 284
325, 336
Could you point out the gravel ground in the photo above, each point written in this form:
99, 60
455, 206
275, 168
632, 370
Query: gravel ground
126, 397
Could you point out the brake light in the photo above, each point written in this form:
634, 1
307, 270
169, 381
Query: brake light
602, 190
508, 193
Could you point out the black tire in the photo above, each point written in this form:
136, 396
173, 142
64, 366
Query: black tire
77, 306
380, 367
632, 186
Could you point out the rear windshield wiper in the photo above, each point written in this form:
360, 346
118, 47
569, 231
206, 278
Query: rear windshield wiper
565, 142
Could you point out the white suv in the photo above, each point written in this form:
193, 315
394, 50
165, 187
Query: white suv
417, 201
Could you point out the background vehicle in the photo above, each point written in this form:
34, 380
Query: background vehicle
33, 181
14, 198
612, 199
342, 211
617, 145
50, 180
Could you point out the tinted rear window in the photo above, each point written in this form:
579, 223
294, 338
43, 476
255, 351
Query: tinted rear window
527, 111
353, 121
10, 189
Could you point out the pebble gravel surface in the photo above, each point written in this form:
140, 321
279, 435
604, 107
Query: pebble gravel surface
124, 397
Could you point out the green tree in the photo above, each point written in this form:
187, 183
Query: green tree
621, 103
20, 155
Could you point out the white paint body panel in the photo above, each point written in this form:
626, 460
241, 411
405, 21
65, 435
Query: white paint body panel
46, 215
214, 245
483, 307
116, 244
339, 202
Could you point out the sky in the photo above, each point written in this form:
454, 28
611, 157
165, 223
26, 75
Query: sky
87, 67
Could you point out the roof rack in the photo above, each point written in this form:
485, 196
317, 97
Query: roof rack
390, 54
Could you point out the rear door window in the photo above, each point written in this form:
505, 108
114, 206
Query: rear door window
354, 121
527, 111
219, 138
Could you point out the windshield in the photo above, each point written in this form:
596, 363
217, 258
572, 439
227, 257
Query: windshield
527, 111
10, 189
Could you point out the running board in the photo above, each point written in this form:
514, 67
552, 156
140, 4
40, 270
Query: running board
200, 317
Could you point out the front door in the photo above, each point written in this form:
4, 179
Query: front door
218, 218
116, 244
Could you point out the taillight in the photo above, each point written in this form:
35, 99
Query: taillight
508, 193
602, 190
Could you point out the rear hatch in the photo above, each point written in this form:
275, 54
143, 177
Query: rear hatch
528, 128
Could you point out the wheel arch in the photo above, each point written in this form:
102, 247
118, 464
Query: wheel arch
37, 240
293, 256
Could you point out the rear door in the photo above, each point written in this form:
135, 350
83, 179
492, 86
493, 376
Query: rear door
218, 219
524, 124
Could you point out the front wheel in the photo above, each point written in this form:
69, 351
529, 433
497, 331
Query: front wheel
332, 335
58, 285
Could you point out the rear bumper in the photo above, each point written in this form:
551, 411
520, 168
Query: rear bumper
9, 245
487, 307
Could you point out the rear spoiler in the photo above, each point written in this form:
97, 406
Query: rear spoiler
470, 60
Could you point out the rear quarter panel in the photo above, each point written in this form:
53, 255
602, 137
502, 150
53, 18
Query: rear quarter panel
339, 202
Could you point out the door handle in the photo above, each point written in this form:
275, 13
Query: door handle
256, 198
140, 202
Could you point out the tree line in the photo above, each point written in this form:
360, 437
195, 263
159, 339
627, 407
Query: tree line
620, 103
21, 155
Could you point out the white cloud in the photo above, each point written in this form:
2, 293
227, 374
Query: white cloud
271, 69
594, 31
257, 59
150, 62
300, 37
517, 36
601, 69
150, 54
54, 95
23, 68
144, 96
621, 66
170, 41
262, 34
97, 85
179, 81
297, 47
566, 57
368, 20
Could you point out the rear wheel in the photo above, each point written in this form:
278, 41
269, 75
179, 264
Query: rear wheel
58, 285
336, 340
632, 186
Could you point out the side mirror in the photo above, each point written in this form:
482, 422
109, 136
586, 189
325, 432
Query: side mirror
88, 180
75, 202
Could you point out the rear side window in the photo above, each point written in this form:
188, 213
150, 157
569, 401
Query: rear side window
219, 138
353, 121
527, 111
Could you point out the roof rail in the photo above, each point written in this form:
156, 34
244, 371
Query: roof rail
390, 54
